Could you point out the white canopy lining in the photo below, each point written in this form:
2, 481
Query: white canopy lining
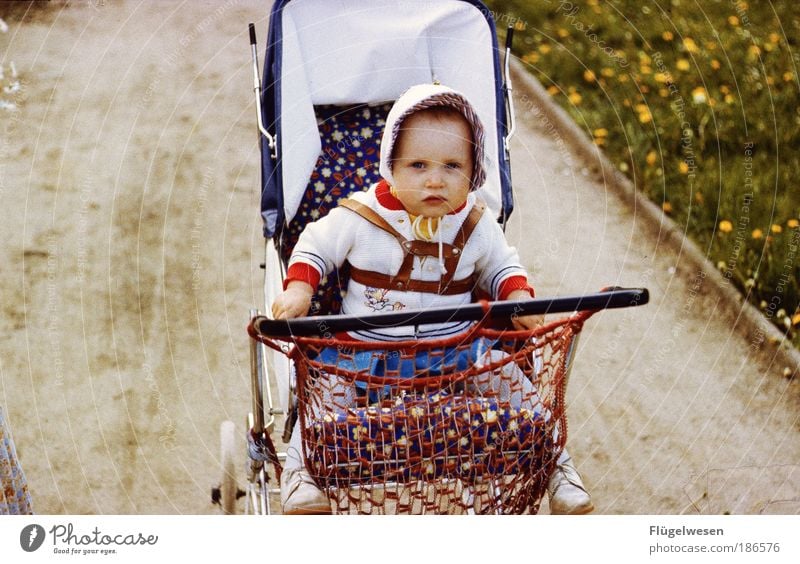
351, 51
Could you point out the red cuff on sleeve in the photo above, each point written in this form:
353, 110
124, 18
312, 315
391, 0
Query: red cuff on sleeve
302, 272
514, 283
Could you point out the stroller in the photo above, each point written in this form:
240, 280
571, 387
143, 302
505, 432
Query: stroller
431, 441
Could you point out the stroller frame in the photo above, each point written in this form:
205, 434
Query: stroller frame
271, 341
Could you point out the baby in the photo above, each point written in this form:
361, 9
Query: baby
417, 239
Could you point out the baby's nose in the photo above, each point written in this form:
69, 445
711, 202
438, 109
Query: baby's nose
434, 180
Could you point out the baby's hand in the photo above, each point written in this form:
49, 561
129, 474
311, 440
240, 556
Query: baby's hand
522, 322
293, 302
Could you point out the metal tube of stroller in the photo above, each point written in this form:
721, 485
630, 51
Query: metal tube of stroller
256, 383
257, 90
512, 119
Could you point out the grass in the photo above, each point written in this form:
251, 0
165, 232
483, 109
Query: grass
697, 103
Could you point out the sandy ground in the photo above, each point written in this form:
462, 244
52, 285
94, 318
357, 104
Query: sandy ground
131, 243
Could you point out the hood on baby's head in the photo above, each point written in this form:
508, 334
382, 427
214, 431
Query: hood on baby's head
423, 97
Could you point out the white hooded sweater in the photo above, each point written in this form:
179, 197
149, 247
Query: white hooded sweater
345, 236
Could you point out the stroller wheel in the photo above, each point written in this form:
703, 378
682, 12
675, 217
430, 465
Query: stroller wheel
228, 488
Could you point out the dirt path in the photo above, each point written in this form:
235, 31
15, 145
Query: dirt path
132, 241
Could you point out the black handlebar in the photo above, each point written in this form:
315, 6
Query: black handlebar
611, 298
509, 36
252, 34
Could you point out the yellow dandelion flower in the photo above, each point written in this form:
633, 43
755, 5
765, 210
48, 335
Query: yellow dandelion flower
729, 99
666, 207
683, 167
724, 89
601, 132
645, 69
753, 51
699, 95
660, 77
715, 64
552, 90
769, 46
774, 37
733, 20
626, 103
663, 92
711, 45
589, 76
796, 319
651, 158
623, 78
788, 76
775, 228
793, 224
644, 88
725, 226
575, 98
645, 117
544, 49
563, 32
667, 36
698, 197
592, 2
607, 72
599, 141
531, 58
682, 64
519, 26
690, 45
757, 234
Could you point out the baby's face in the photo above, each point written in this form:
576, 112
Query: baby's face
432, 164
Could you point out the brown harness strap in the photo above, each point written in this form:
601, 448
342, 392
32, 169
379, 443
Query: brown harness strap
411, 248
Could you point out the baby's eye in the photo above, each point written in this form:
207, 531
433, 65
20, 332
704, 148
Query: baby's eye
417, 164
453, 165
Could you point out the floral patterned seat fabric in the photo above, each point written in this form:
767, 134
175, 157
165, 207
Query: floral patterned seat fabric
348, 163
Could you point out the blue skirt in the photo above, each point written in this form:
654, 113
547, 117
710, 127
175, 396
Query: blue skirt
432, 362
381, 362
